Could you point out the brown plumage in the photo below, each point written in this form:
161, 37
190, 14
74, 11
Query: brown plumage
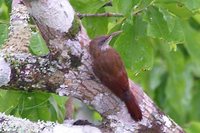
109, 68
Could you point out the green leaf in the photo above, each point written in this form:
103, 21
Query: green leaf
179, 84
178, 89
37, 45
96, 26
157, 25
193, 5
195, 22
3, 33
41, 106
194, 109
88, 6
97, 116
124, 6
9, 101
176, 33
192, 45
176, 8
56, 111
142, 5
135, 50
116, 27
4, 14
193, 127
34, 106
156, 74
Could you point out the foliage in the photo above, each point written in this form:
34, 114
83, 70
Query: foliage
160, 47
37, 45
33, 106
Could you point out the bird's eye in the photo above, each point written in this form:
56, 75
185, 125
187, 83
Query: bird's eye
102, 41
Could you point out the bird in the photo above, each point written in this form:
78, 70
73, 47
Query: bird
108, 66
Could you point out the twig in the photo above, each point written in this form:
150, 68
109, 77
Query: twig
107, 14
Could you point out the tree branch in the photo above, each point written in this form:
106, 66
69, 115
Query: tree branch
16, 125
107, 14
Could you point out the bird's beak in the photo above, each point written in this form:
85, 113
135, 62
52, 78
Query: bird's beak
112, 35
116, 33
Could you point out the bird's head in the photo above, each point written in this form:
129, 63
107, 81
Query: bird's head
101, 43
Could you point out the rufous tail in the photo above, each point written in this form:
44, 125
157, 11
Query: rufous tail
132, 106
